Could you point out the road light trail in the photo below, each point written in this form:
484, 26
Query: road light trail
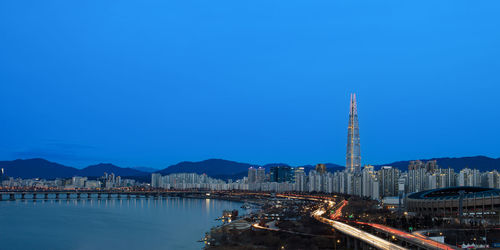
371, 239
354, 232
422, 240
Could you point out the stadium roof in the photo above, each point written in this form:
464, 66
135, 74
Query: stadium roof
454, 193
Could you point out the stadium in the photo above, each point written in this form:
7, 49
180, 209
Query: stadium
470, 202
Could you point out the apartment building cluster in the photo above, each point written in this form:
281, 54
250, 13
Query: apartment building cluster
107, 181
372, 182
183, 181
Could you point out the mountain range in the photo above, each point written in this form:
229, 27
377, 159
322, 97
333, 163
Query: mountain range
41, 168
217, 168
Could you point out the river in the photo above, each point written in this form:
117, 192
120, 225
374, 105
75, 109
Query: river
169, 223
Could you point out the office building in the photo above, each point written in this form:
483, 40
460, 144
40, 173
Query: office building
281, 174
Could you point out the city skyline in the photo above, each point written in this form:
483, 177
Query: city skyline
366, 181
237, 125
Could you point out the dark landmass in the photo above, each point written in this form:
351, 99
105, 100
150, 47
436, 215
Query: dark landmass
99, 169
146, 169
482, 163
41, 168
216, 168
37, 168
210, 167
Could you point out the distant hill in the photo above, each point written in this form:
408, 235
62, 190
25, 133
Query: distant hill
211, 167
331, 167
99, 169
37, 168
481, 163
270, 165
41, 168
145, 169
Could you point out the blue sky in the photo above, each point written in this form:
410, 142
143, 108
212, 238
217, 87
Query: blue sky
152, 83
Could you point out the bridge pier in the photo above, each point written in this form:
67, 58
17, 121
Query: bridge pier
128, 196
1, 197
78, 196
89, 196
34, 196
109, 195
68, 195
46, 196
118, 196
12, 197
57, 196
365, 246
22, 196
99, 196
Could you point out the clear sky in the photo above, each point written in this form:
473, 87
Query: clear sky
154, 82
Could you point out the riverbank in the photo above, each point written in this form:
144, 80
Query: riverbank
280, 222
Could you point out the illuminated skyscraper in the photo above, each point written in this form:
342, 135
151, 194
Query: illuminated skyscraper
281, 174
261, 174
300, 179
353, 156
252, 175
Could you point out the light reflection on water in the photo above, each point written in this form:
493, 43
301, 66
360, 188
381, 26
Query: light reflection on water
168, 223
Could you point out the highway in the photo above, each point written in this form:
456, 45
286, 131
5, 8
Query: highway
374, 240
418, 238
356, 233
257, 226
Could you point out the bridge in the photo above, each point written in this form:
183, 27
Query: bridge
90, 194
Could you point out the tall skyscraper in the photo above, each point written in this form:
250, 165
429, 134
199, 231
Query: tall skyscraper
353, 156
281, 174
252, 175
300, 179
156, 180
388, 177
261, 174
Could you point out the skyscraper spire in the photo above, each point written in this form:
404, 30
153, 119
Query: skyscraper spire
353, 108
353, 156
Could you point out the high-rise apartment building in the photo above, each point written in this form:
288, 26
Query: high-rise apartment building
388, 177
252, 175
369, 179
261, 174
300, 179
156, 180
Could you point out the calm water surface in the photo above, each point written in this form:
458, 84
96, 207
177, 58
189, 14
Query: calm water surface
170, 223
